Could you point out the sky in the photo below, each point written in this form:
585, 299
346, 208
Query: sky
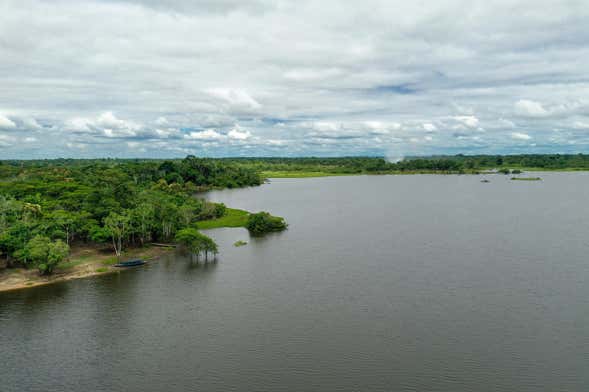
162, 78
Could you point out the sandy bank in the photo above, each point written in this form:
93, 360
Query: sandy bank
83, 263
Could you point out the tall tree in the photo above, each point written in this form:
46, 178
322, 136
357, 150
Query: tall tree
117, 225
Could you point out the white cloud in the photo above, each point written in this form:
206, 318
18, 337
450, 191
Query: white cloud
239, 134
326, 126
237, 98
309, 74
161, 121
528, 108
110, 121
6, 123
382, 128
105, 124
581, 125
430, 127
468, 121
6, 140
520, 136
208, 134
30, 123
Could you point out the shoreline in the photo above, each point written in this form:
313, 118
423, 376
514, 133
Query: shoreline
84, 263
269, 175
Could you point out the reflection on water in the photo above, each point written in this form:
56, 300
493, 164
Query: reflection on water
408, 283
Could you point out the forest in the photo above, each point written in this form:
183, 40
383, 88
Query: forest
432, 164
47, 206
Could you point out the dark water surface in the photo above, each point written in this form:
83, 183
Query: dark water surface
381, 283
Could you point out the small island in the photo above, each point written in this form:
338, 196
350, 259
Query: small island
526, 179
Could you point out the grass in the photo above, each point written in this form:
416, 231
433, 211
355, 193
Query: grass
240, 243
110, 261
102, 269
526, 179
232, 218
75, 262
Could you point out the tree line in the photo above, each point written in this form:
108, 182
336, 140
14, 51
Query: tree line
444, 164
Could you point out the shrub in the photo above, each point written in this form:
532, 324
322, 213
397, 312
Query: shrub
262, 222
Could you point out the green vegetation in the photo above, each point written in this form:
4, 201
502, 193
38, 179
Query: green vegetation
300, 174
232, 218
110, 261
318, 167
240, 243
262, 222
101, 269
526, 179
46, 206
43, 253
196, 243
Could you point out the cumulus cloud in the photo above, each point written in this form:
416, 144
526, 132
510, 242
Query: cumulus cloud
382, 128
236, 98
429, 127
468, 121
6, 140
105, 124
581, 125
520, 136
528, 108
6, 123
238, 133
209, 134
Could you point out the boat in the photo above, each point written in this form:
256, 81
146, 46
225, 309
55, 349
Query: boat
130, 263
485, 180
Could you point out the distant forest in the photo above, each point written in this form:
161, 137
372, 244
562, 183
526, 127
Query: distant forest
238, 172
451, 164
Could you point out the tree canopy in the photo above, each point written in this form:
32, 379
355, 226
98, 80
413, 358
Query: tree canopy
45, 205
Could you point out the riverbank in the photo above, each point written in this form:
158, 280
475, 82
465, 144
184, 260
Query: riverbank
84, 262
314, 174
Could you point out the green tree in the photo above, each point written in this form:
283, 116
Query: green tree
117, 225
196, 243
262, 222
143, 220
45, 254
58, 251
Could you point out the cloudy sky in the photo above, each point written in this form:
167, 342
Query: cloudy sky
163, 78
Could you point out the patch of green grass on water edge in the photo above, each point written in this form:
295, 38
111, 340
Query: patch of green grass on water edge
302, 174
232, 218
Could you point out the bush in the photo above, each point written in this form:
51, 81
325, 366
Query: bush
262, 222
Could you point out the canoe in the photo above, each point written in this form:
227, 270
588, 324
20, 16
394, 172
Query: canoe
130, 263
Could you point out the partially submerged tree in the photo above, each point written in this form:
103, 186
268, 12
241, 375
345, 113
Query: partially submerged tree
196, 243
